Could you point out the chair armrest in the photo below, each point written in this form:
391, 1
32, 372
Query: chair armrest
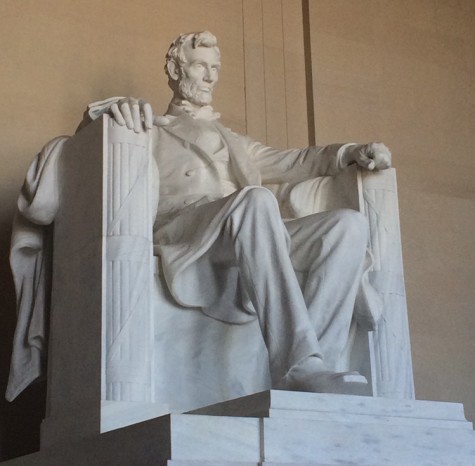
326, 193
375, 195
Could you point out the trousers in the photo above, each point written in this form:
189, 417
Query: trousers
302, 276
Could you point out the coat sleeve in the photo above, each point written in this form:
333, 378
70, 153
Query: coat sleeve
295, 165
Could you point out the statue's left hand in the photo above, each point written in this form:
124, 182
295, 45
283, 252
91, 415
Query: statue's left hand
372, 156
134, 113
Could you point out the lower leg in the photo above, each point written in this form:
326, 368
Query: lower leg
328, 251
260, 243
266, 269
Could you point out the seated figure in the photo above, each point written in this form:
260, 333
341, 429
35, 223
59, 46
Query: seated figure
220, 236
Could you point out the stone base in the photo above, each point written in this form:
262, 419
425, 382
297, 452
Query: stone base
277, 428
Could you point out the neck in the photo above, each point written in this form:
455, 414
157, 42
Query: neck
179, 105
179, 100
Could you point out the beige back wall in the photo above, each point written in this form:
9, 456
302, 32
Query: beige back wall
402, 72
398, 71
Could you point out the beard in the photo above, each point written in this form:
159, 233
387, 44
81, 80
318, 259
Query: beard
190, 91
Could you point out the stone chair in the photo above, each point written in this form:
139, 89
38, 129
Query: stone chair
120, 350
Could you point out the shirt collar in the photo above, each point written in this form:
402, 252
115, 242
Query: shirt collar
205, 112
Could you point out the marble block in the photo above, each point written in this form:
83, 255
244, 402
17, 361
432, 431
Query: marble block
285, 404
303, 441
355, 432
209, 438
210, 463
235, 463
319, 429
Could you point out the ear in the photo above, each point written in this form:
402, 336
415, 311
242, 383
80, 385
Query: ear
173, 70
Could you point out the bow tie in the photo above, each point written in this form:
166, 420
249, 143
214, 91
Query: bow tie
204, 113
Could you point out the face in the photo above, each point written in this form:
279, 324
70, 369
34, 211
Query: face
199, 75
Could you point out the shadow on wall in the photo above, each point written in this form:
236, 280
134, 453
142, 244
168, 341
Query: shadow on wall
19, 420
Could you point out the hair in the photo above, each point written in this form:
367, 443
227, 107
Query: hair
176, 51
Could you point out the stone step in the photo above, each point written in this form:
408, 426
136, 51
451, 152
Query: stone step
215, 438
226, 440
234, 463
307, 441
320, 429
370, 419
280, 435
210, 463
279, 403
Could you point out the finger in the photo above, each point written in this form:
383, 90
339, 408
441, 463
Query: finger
364, 158
370, 158
148, 115
117, 115
365, 162
136, 117
125, 109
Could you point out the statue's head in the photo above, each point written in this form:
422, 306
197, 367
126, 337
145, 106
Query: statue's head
192, 66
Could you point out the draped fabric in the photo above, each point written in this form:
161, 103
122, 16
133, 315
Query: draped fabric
30, 260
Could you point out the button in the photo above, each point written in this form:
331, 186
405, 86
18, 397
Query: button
188, 201
189, 172
186, 145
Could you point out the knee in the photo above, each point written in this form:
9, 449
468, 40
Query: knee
261, 199
353, 225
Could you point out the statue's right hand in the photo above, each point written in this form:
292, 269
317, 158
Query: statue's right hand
134, 113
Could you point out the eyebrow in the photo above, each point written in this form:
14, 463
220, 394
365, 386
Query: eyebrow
203, 62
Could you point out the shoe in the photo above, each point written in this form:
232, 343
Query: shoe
309, 377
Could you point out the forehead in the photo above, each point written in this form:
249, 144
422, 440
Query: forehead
205, 54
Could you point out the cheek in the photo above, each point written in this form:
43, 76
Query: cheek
194, 75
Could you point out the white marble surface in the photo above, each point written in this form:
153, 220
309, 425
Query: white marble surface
279, 403
370, 419
204, 440
344, 404
210, 463
297, 441
128, 207
319, 429
215, 438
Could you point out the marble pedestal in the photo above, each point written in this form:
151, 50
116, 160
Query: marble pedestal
282, 428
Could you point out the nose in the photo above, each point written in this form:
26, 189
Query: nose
209, 75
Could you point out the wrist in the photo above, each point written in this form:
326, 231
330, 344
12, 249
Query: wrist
346, 154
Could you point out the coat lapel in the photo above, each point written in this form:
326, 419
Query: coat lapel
244, 170
184, 129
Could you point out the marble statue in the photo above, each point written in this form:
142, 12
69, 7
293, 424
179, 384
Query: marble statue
219, 233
